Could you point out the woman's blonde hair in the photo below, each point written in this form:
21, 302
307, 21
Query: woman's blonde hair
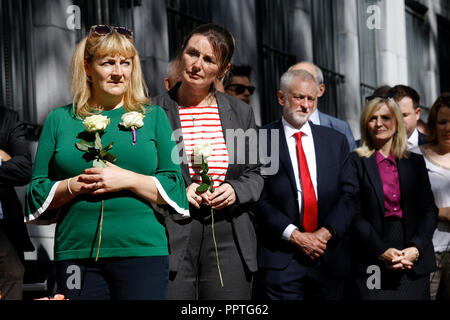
399, 142
95, 46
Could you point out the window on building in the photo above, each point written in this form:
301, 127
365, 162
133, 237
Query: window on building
367, 51
110, 12
182, 17
444, 53
325, 55
275, 58
17, 75
417, 36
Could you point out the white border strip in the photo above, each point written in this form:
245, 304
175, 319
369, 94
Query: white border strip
183, 213
45, 205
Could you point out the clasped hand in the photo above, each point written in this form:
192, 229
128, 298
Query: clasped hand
400, 259
101, 180
222, 197
312, 244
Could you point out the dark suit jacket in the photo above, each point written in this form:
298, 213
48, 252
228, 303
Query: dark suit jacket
417, 203
422, 139
244, 178
15, 172
278, 205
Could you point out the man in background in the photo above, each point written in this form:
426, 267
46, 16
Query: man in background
320, 118
409, 102
15, 170
237, 83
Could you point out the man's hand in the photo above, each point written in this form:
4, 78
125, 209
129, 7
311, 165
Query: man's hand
324, 234
309, 243
5, 156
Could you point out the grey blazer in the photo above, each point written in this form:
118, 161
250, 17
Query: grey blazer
338, 125
244, 178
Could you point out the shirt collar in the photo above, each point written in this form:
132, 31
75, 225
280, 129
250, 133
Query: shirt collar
413, 140
380, 158
314, 117
289, 130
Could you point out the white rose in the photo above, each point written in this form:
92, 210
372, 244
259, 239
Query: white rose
204, 149
132, 120
96, 123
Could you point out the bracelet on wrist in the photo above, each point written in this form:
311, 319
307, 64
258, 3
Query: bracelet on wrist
68, 186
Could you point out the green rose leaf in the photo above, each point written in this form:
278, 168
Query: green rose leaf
206, 179
109, 146
109, 157
83, 145
99, 163
202, 188
98, 141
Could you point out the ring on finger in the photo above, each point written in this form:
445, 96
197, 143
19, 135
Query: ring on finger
96, 185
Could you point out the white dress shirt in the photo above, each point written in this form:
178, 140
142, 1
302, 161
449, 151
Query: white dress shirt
413, 140
308, 148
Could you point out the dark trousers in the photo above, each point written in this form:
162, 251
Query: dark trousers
136, 278
198, 277
302, 279
11, 270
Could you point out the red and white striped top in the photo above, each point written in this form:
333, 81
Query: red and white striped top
200, 124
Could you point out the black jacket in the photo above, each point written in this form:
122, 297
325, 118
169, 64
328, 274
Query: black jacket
15, 172
419, 213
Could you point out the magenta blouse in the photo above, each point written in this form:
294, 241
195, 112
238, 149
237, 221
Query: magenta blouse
391, 184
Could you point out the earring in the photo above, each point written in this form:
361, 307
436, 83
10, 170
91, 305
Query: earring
89, 78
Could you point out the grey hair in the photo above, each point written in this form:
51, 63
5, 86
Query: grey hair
318, 78
288, 76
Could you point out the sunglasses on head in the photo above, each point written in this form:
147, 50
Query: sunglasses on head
103, 30
240, 88
382, 96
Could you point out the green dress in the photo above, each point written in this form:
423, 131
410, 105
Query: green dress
132, 226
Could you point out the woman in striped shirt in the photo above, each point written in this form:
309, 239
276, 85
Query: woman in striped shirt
198, 114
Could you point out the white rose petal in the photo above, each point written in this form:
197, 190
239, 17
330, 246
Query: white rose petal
132, 119
204, 149
96, 123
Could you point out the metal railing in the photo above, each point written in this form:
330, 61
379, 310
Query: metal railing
17, 74
182, 18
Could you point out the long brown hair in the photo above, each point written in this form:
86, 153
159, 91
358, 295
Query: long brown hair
442, 101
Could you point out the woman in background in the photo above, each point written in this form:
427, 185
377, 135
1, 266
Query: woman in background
437, 160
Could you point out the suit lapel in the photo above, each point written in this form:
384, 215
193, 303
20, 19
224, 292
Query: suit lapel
375, 179
285, 158
227, 122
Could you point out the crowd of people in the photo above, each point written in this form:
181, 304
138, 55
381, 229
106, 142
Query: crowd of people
157, 198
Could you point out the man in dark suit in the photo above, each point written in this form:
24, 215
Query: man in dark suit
306, 207
409, 102
15, 170
320, 118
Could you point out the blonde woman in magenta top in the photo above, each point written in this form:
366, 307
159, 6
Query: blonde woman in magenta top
396, 215
108, 228
198, 113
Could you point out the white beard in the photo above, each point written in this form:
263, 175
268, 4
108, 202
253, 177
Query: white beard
293, 117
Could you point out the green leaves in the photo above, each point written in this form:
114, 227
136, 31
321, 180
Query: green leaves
207, 182
95, 150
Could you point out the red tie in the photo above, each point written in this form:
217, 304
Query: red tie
309, 196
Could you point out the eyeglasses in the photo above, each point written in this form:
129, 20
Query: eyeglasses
103, 30
240, 88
